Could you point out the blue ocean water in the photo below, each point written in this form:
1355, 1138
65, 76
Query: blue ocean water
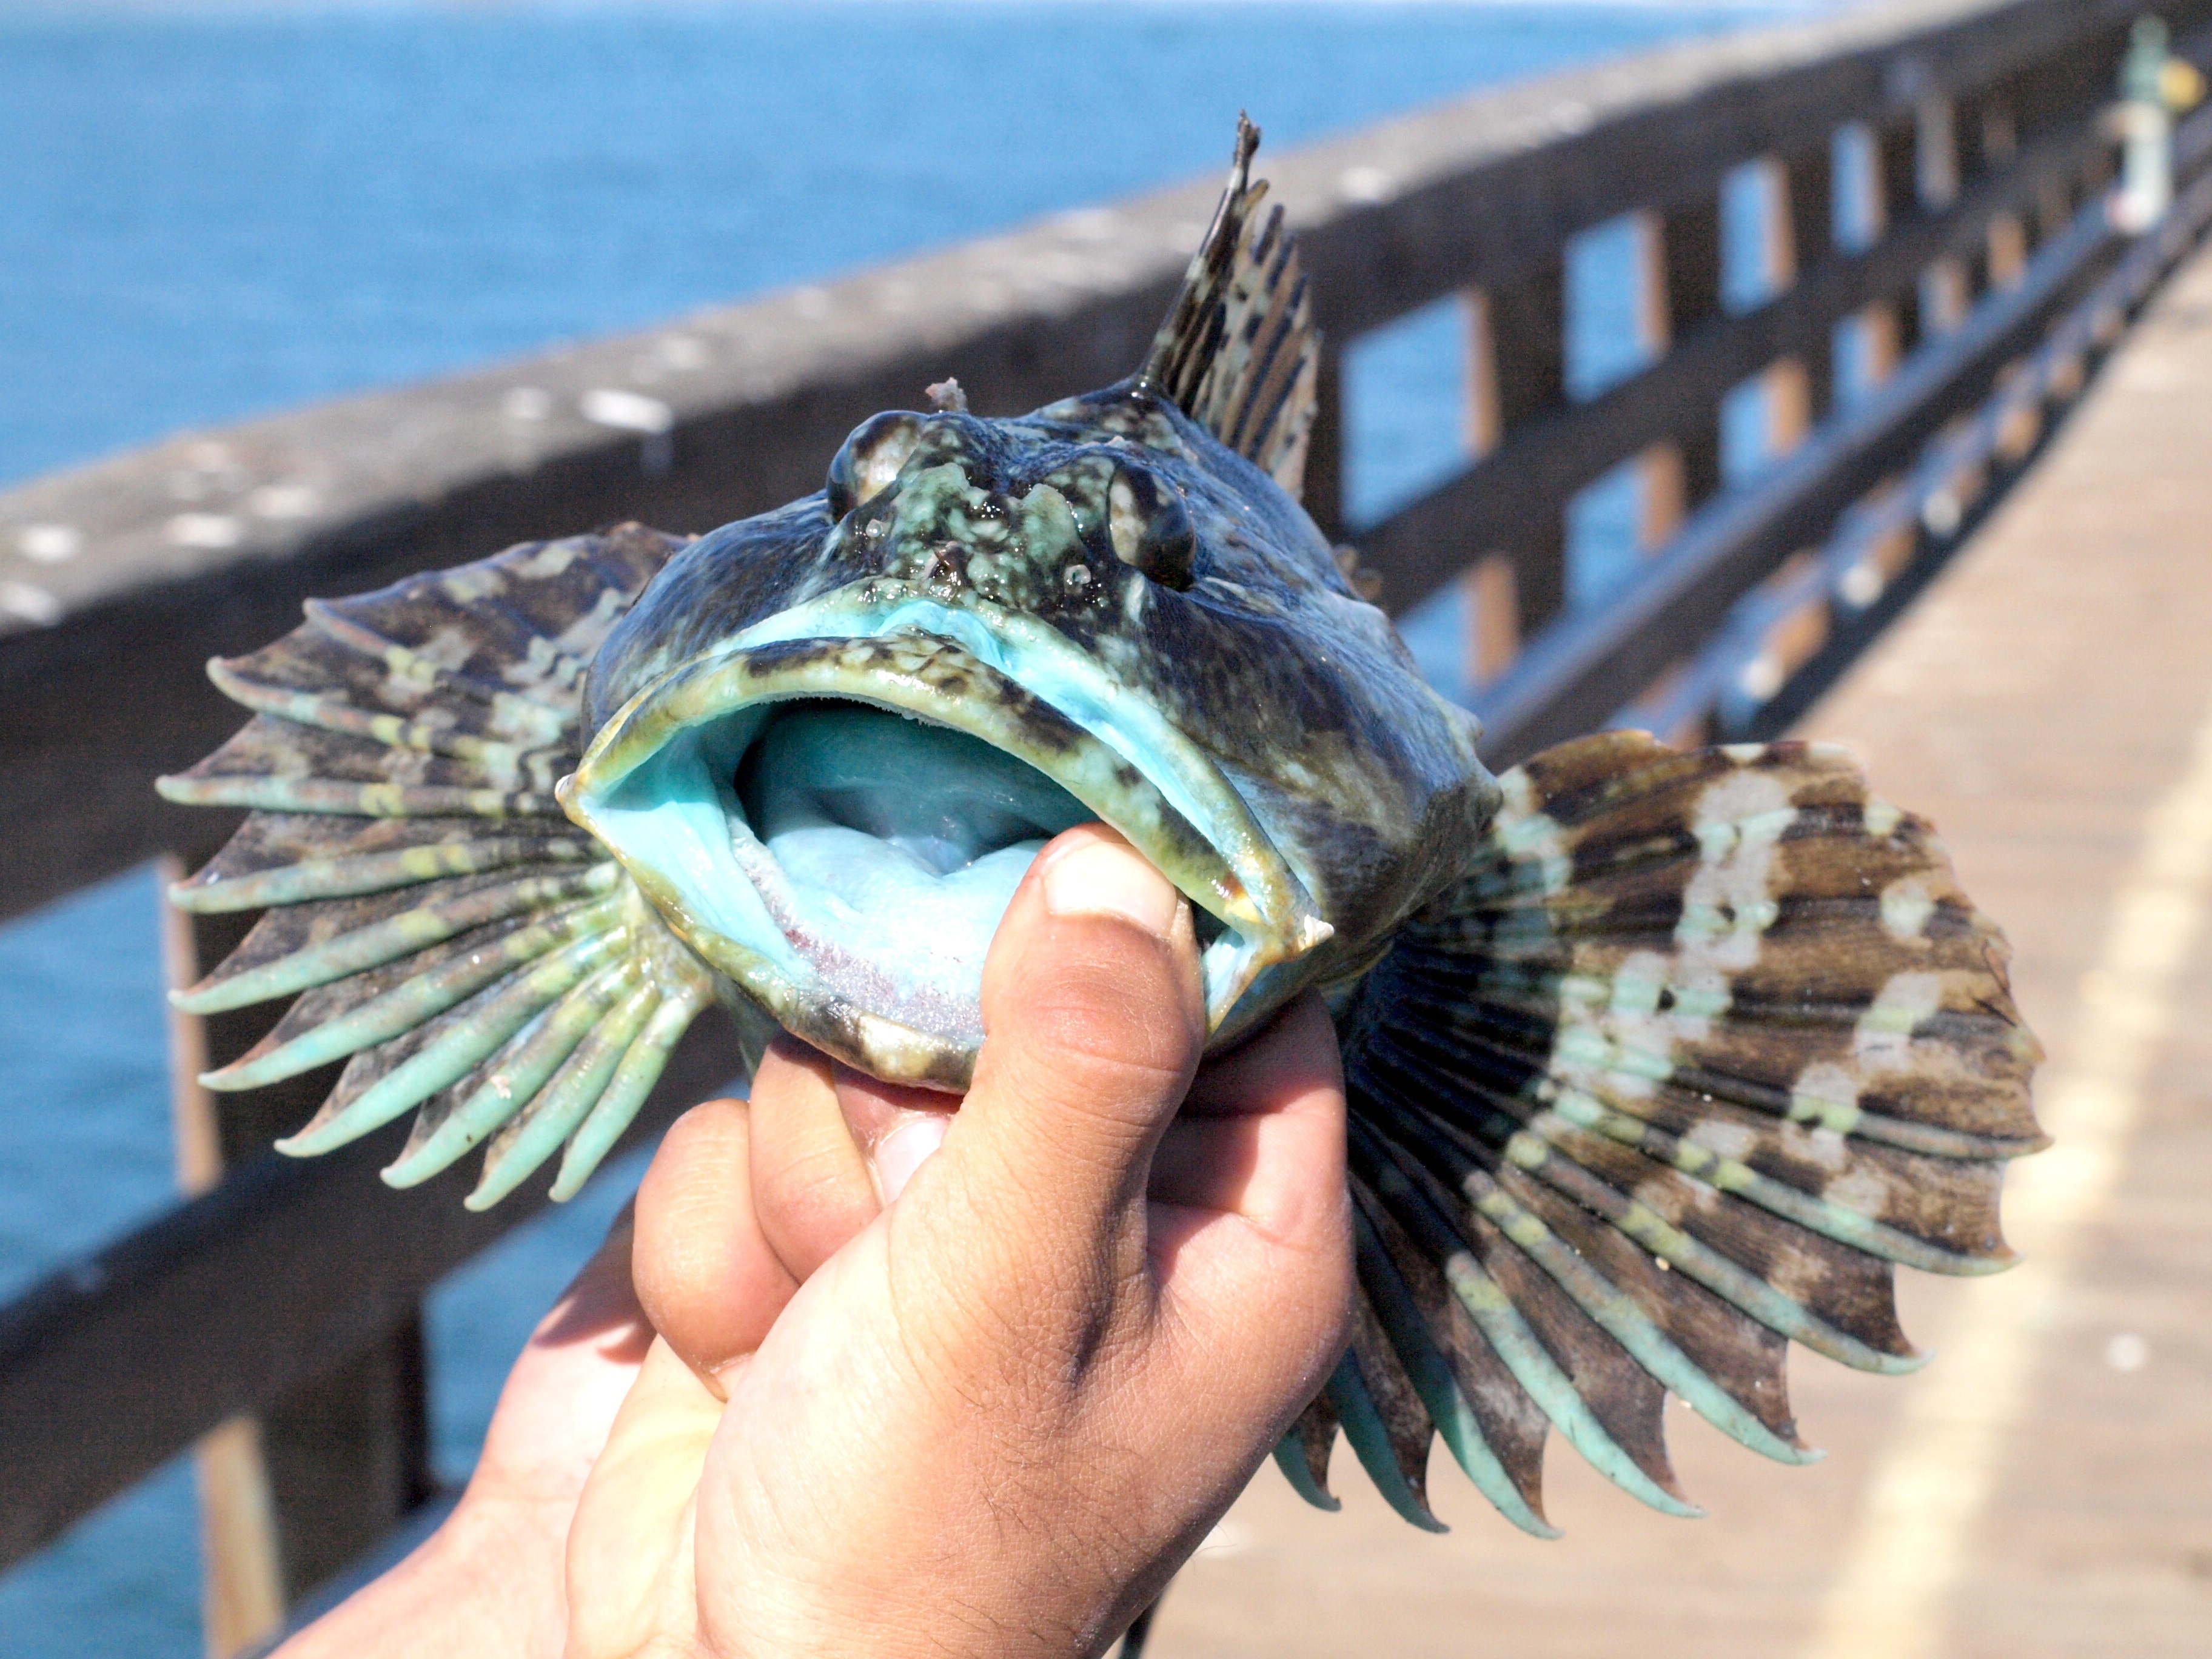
209, 212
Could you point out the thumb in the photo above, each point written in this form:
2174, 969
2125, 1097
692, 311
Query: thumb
1093, 1020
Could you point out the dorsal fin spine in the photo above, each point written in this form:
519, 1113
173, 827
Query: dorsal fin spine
1237, 352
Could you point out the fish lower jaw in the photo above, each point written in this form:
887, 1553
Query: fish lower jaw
838, 825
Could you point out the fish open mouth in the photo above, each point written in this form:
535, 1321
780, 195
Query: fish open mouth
835, 810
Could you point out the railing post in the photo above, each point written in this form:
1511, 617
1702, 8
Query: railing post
289, 1499
1323, 494
1802, 231
1678, 282
1996, 142
1896, 193
1516, 373
241, 1577
1947, 286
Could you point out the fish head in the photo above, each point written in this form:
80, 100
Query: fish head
829, 740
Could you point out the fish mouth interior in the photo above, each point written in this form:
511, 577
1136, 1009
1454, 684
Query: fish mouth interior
839, 824
892, 848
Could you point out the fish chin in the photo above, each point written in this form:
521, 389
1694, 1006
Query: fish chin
837, 820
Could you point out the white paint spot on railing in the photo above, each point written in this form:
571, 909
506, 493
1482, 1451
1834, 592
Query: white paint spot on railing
633, 411
1760, 677
27, 604
50, 544
285, 501
682, 352
626, 411
526, 403
1861, 586
208, 530
1366, 185
2127, 1352
1091, 224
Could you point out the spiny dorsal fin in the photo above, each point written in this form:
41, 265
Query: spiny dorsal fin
1238, 353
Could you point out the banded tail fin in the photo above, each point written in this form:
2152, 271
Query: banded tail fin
471, 954
1238, 352
1701, 1047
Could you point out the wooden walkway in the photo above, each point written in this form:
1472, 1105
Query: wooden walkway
2045, 1486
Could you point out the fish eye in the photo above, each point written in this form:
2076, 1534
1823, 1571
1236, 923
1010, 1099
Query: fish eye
1150, 528
868, 460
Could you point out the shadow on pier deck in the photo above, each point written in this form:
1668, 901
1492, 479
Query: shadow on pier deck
2045, 1486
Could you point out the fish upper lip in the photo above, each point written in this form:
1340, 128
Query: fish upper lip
1012, 681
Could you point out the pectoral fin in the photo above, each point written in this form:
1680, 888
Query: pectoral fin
471, 954
1699, 1049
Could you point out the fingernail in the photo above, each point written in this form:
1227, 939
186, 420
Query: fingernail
905, 1148
1106, 878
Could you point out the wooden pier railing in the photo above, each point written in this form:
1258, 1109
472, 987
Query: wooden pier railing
1938, 189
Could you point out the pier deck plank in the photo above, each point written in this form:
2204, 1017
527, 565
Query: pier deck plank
2037, 703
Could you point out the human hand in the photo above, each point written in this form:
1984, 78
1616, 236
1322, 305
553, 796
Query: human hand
993, 1417
489, 1580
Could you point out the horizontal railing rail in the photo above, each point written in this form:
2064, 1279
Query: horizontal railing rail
1935, 182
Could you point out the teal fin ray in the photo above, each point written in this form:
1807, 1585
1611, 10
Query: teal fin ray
1412, 1334
1303, 1453
279, 859
1385, 1422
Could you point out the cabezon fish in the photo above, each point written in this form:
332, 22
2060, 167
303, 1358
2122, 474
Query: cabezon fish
1657, 1061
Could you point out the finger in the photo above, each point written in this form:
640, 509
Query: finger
897, 1125
705, 1271
1093, 1019
553, 1414
1294, 1050
1268, 1151
1270, 1134
1250, 1221
634, 1518
811, 1190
